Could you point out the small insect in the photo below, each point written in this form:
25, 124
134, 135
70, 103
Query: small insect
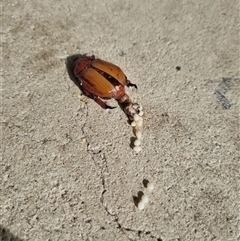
101, 80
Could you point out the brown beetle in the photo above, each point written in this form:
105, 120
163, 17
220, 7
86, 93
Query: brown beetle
103, 80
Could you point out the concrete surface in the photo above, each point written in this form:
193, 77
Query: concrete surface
68, 172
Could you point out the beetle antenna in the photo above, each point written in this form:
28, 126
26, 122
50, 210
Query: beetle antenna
132, 85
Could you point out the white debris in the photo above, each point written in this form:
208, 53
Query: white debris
141, 205
150, 186
138, 134
140, 113
145, 199
133, 124
137, 125
136, 117
137, 142
137, 148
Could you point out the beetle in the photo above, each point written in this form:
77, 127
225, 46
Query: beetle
101, 80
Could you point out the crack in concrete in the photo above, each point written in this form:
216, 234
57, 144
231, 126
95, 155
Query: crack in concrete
84, 124
114, 215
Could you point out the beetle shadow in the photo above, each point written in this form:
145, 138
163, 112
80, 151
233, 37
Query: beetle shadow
6, 234
70, 63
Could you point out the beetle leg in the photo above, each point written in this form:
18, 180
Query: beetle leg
129, 84
102, 103
97, 99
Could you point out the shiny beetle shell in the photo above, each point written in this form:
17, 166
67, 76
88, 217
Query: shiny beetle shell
99, 78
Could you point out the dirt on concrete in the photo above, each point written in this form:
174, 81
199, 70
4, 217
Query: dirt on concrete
67, 169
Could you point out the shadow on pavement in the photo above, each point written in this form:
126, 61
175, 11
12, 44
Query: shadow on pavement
6, 235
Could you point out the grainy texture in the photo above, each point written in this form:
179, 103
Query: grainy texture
67, 170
